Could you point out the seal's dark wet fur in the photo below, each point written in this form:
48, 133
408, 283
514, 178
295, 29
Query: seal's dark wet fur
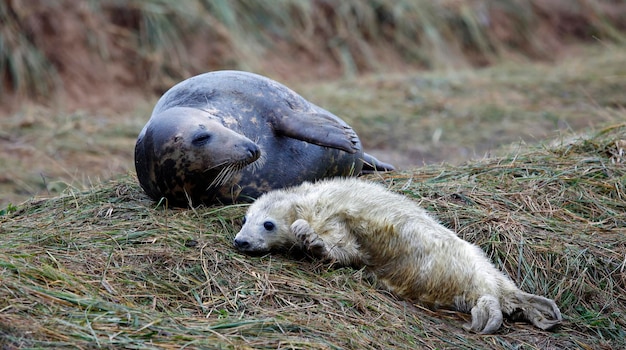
231, 136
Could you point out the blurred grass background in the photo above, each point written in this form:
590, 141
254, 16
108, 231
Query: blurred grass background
46, 46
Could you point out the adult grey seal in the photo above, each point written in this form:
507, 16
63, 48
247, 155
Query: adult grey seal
229, 136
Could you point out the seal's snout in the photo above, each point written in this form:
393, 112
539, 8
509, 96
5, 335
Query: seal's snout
241, 244
254, 151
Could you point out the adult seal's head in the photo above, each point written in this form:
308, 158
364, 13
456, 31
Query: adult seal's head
228, 135
183, 152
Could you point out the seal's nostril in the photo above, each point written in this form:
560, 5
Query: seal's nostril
254, 151
241, 244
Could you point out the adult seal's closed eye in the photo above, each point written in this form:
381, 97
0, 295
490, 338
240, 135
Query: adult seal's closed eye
229, 136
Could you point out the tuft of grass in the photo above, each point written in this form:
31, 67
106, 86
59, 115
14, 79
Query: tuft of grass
156, 33
108, 267
22, 63
9, 209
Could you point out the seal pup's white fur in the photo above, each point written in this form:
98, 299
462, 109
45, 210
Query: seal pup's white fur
362, 224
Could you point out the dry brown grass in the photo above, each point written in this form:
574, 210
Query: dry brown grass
107, 268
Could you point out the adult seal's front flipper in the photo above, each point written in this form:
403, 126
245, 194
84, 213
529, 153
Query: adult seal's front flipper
319, 129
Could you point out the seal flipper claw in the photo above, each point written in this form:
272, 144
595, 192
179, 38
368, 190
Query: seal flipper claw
319, 129
540, 311
486, 315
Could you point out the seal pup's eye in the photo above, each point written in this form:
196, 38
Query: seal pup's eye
201, 139
243, 221
269, 226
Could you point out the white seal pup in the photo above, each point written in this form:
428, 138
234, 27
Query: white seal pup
362, 224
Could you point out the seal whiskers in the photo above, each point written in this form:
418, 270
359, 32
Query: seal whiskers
259, 163
226, 174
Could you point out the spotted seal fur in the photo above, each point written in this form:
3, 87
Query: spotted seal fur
229, 136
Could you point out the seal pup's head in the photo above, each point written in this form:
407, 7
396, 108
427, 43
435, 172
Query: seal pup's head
267, 224
186, 153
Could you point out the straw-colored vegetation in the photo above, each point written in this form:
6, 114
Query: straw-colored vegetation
105, 267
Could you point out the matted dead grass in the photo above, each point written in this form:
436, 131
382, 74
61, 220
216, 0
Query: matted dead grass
108, 268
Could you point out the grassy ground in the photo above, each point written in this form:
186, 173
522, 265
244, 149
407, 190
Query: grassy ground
105, 267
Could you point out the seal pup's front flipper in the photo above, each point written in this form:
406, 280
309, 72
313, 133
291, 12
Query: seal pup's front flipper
372, 165
319, 129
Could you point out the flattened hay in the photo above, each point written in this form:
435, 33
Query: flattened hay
110, 268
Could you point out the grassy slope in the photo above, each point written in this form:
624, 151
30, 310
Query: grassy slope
105, 267
152, 44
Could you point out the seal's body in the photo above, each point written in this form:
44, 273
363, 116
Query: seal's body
361, 224
230, 135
